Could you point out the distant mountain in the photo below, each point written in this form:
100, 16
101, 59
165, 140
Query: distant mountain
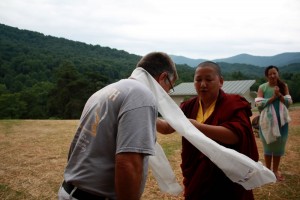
264, 61
279, 60
184, 60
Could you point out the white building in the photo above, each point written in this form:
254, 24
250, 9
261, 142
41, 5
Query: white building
184, 91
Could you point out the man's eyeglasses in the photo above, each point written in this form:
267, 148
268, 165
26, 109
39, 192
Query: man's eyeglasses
172, 88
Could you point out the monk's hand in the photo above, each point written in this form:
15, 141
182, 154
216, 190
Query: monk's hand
197, 124
194, 122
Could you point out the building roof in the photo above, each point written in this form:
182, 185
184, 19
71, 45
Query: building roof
231, 87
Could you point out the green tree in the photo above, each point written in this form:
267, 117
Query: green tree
61, 96
237, 75
36, 99
294, 87
71, 91
11, 106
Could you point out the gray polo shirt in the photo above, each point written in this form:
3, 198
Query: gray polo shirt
118, 118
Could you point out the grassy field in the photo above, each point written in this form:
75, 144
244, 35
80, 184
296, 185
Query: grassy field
33, 156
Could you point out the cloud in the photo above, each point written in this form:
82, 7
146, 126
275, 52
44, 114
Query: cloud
198, 29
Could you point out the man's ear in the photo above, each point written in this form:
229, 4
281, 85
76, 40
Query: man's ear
162, 77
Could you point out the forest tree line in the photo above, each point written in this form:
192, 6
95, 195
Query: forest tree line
44, 77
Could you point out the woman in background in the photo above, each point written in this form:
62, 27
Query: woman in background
272, 100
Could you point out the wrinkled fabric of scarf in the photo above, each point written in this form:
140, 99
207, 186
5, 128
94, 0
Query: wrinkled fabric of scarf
268, 122
237, 167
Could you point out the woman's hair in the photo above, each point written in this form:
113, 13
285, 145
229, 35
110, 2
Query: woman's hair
156, 63
280, 83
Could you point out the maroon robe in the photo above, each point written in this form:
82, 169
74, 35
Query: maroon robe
202, 178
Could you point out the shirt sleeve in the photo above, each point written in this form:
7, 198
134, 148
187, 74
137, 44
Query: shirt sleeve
137, 131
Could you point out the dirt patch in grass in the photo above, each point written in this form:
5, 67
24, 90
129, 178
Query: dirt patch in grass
33, 156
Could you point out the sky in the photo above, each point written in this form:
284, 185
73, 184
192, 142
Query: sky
199, 29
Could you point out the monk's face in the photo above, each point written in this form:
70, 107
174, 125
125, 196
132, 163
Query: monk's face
207, 83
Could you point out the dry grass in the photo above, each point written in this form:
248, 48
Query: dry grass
33, 155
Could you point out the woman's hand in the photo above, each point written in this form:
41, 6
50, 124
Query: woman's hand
277, 91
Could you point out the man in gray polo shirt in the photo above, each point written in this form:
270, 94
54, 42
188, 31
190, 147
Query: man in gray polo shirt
108, 157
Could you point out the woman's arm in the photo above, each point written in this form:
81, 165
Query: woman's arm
276, 95
287, 99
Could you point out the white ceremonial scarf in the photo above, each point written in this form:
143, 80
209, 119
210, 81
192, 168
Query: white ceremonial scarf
268, 122
238, 167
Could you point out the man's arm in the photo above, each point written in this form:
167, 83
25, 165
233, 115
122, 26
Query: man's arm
128, 175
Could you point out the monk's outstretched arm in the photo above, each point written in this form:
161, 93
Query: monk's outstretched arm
217, 133
163, 127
